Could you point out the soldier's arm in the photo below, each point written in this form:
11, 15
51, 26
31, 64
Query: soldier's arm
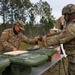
4, 42
65, 36
55, 32
29, 41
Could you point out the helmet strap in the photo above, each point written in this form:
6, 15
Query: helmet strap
69, 17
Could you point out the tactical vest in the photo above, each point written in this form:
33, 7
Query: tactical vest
70, 46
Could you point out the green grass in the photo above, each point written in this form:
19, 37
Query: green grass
24, 46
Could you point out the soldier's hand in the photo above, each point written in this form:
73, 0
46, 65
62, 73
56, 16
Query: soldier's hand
14, 49
39, 38
48, 35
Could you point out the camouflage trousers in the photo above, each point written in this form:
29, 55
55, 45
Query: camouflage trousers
71, 64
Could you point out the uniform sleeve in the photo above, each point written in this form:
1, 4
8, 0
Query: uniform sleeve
27, 40
65, 36
55, 32
4, 41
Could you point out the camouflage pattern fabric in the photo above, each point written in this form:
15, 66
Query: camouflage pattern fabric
60, 22
55, 32
9, 40
21, 24
68, 9
67, 36
71, 64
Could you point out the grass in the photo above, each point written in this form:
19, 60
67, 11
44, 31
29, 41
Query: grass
24, 46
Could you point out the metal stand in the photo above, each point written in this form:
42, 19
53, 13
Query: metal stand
41, 69
62, 52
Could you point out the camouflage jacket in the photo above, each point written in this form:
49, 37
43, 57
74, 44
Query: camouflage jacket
9, 40
67, 37
55, 32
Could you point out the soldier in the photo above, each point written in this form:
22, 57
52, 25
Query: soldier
59, 26
12, 38
66, 37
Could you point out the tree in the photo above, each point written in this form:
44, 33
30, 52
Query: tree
12, 10
46, 20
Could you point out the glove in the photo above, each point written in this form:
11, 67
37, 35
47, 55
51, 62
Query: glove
14, 49
48, 35
40, 38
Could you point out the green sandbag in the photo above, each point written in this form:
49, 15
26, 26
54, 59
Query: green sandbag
14, 69
22, 64
29, 59
48, 52
4, 63
20, 70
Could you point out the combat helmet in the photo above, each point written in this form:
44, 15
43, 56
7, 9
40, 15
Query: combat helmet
68, 9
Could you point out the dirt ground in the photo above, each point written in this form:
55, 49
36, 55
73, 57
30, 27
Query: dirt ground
54, 70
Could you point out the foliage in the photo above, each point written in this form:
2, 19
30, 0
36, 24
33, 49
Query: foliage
12, 10
24, 46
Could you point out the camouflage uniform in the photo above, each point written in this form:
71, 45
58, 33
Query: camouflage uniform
59, 25
10, 40
55, 32
67, 37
